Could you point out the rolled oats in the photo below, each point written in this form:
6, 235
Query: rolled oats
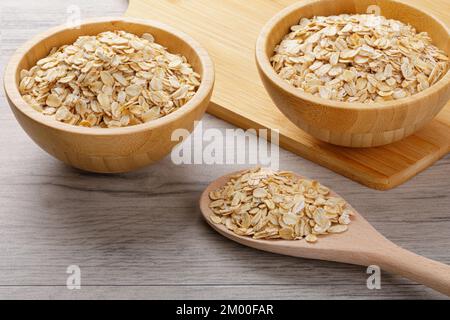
113, 79
359, 58
265, 204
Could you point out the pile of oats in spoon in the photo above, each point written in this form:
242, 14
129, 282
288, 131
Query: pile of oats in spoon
264, 204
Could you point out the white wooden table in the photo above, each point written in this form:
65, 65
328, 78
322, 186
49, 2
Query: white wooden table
140, 235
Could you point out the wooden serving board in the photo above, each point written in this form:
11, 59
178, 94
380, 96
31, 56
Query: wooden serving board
229, 28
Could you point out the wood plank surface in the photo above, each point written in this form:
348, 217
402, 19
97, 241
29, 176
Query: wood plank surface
140, 235
229, 29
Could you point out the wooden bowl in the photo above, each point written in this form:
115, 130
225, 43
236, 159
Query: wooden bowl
353, 124
109, 150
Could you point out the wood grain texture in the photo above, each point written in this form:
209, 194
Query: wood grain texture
110, 150
124, 230
241, 99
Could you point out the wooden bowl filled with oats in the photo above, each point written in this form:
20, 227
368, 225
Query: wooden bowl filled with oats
355, 79
106, 97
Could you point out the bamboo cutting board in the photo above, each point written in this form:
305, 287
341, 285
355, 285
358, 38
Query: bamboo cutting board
229, 28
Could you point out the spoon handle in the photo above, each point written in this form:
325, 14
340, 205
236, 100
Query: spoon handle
422, 270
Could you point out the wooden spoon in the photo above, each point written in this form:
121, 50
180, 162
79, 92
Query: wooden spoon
360, 245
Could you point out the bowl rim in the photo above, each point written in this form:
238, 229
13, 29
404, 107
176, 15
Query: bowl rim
204, 90
265, 66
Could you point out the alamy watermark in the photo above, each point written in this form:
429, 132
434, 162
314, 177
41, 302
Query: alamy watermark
230, 146
73, 17
374, 9
374, 280
73, 281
